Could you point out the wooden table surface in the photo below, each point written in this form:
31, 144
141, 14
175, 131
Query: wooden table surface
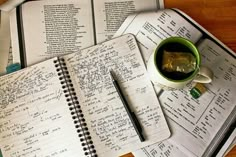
216, 16
2, 1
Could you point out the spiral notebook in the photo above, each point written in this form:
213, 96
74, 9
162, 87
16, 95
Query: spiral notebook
68, 106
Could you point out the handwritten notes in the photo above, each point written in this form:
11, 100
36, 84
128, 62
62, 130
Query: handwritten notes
109, 125
34, 115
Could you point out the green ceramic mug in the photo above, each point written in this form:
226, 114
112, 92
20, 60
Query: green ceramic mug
170, 81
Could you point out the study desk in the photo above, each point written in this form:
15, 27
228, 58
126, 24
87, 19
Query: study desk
216, 16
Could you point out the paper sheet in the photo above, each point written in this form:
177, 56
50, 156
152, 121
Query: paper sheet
4, 41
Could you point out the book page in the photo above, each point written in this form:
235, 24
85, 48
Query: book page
110, 14
195, 122
161, 149
4, 41
107, 120
151, 28
35, 119
53, 28
14, 37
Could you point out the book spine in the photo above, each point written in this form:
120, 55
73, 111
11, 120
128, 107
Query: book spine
21, 38
75, 109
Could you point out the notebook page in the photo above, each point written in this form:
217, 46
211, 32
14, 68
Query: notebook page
110, 128
34, 117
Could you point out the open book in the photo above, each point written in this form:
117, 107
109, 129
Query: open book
67, 106
197, 125
44, 29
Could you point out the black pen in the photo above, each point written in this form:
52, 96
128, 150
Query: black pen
131, 114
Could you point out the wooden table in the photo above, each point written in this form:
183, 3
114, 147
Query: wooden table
216, 16
2, 1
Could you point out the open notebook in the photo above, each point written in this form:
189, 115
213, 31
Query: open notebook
68, 107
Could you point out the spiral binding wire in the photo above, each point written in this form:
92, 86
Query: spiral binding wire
74, 107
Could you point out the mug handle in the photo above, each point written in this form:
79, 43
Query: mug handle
205, 75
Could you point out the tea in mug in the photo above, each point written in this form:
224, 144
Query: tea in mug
175, 61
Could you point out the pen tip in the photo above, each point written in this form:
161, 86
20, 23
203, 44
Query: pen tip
111, 73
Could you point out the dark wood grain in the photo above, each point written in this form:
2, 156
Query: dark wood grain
2, 1
232, 153
216, 16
